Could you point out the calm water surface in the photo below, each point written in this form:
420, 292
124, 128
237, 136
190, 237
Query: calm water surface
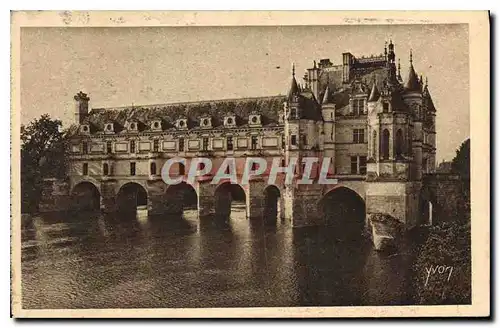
96, 261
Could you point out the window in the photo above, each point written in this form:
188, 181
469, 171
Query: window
205, 122
358, 106
293, 113
283, 141
255, 166
229, 120
109, 149
181, 169
354, 164
105, 169
156, 145
201, 166
156, 125
132, 168
152, 168
362, 164
358, 136
205, 143
254, 142
294, 140
85, 147
304, 139
229, 142
85, 169
132, 126
254, 119
132, 146
385, 144
399, 143
181, 124
385, 107
358, 164
181, 144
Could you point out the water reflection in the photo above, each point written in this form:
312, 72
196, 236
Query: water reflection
90, 260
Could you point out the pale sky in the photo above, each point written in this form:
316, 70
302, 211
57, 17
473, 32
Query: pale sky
119, 66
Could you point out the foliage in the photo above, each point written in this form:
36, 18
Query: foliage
461, 164
43, 155
447, 245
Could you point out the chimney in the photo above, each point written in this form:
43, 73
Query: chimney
81, 107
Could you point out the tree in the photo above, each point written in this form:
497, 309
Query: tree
461, 164
43, 155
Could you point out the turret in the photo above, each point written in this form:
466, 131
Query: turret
391, 56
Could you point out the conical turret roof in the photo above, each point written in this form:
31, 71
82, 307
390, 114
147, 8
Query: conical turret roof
374, 94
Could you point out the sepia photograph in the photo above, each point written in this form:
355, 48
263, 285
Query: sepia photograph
233, 166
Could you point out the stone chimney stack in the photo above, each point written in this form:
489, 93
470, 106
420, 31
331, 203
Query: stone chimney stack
81, 107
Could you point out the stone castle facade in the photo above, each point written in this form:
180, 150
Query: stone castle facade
378, 128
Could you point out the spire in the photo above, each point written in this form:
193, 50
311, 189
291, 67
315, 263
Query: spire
374, 94
294, 88
412, 84
326, 96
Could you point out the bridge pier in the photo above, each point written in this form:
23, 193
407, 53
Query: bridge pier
108, 196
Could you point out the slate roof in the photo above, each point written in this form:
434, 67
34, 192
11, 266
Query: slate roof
267, 107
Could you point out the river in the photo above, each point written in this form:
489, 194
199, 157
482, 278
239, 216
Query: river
91, 260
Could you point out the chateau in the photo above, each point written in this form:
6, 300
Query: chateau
376, 126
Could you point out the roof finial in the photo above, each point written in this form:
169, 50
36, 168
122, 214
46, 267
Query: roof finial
426, 81
411, 57
293, 69
314, 64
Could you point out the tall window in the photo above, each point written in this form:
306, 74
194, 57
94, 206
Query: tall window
181, 144
109, 147
132, 146
205, 143
229, 141
105, 169
374, 144
304, 139
85, 169
354, 164
358, 136
152, 168
132, 168
294, 140
399, 143
85, 147
385, 144
254, 142
182, 169
283, 141
156, 145
358, 106
293, 113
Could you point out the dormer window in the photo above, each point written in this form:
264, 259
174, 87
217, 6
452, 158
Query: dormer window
156, 125
206, 122
385, 106
109, 127
230, 120
132, 126
358, 106
254, 120
85, 129
181, 124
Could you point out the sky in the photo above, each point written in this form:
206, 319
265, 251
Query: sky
121, 66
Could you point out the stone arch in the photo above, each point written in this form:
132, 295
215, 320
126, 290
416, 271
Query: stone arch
180, 197
428, 206
131, 196
224, 194
273, 207
85, 195
385, 144
344, 209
